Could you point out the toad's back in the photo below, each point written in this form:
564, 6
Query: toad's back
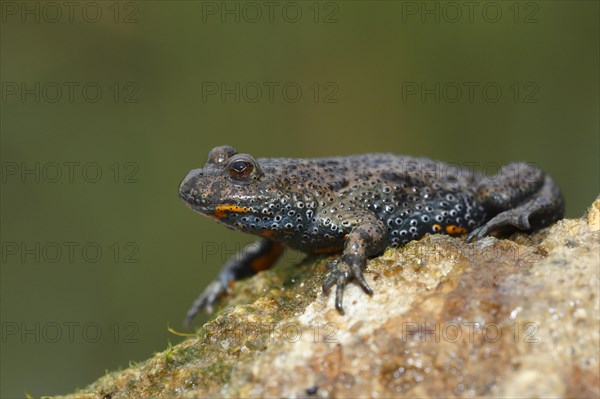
412, 196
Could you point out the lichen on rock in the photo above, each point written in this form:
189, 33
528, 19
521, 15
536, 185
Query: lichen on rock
501, 317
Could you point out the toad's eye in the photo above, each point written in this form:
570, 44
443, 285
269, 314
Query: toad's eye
241, 169
220, 155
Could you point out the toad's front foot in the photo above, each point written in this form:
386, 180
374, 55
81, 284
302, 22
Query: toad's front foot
342, 272
206, 300
255, 257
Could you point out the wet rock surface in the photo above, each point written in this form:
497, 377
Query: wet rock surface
501, 317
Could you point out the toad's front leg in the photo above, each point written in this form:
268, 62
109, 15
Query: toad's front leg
257, 256
367, 237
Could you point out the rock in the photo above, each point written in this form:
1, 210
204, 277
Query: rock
515, 317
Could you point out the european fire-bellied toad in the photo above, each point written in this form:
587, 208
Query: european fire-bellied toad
356, 206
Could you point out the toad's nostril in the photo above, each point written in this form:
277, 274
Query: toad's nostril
188, 186
183, 191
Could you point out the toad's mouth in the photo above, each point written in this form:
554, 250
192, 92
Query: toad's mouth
219, 211
194, 202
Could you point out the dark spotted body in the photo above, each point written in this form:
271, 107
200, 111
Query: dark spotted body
357, 206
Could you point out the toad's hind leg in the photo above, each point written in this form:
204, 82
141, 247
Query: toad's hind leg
522, 196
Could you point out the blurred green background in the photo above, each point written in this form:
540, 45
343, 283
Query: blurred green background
374, 76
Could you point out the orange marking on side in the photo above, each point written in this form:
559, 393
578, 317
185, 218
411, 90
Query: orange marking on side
437, 227
220, 210
267, 233
265, 261
454, 229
